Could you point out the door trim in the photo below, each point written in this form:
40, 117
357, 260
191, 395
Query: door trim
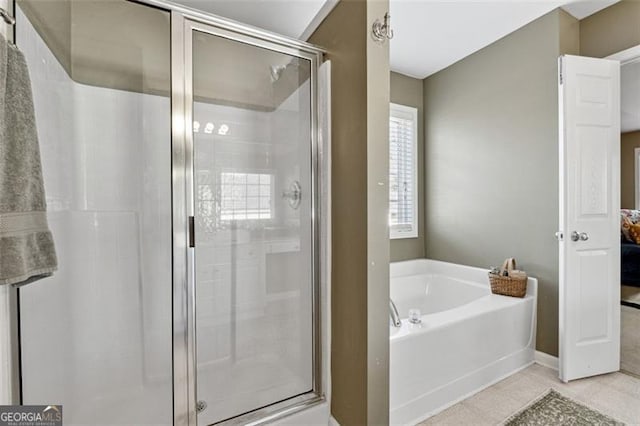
626, 56
636, 174
629, 56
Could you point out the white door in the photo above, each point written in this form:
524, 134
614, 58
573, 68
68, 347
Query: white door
589, 217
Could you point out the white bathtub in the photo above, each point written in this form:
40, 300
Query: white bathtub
468, 339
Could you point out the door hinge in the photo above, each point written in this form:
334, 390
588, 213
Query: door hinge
560, 76
192, 232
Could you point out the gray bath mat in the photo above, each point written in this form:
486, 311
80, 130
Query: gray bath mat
553, 409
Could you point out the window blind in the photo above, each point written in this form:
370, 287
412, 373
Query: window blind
403, 171
245, 196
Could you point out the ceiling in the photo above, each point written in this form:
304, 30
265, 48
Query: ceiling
430, 35
293, 18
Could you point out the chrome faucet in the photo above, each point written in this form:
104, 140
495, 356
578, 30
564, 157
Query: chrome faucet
393, 314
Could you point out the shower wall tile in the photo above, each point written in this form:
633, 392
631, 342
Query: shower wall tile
109, 138
53, 106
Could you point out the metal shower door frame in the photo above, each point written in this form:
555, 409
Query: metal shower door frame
184, 22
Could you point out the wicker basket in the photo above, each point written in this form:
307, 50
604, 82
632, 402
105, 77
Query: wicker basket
513, 284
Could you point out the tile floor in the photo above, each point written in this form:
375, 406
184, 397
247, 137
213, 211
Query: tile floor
616, 394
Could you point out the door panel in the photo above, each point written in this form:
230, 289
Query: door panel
589, 200
253, 226
594, 172
595, 309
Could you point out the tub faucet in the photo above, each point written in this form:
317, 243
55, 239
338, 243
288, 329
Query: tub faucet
393, 314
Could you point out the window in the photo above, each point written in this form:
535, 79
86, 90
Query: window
403, 171
245, 196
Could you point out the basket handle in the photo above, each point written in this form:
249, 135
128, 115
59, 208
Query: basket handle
509, 264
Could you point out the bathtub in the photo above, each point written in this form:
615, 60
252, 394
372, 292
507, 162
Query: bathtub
468, 338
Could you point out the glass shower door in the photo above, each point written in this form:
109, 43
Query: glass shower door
253, 208
96, 336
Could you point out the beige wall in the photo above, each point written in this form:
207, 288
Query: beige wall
611, 30
569, 34
52, 21
377, 220
409, 91
360, 250
630, 141
492, 159
341, 34
106, 43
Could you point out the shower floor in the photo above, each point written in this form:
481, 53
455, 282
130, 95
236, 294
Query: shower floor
232, 388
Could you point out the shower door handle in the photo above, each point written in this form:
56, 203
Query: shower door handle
192, 231
293, 195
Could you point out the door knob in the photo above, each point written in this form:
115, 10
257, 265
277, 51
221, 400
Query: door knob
293, 195
579, 236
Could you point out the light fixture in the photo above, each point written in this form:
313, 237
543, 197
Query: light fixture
208, 128
196, 126
223, 130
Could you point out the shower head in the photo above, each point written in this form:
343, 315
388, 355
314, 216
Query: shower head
275, 71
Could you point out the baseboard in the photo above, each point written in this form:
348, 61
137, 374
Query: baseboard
333, 422
546, 360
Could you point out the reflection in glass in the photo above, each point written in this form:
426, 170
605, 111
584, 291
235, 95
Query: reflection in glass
253, 251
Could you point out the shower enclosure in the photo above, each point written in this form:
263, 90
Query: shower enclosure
181, 163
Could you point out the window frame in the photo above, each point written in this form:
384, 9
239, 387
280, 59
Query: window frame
406, 112
259, 172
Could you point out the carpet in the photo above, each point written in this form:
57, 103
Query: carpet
630, 340
630, 296
553, 409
